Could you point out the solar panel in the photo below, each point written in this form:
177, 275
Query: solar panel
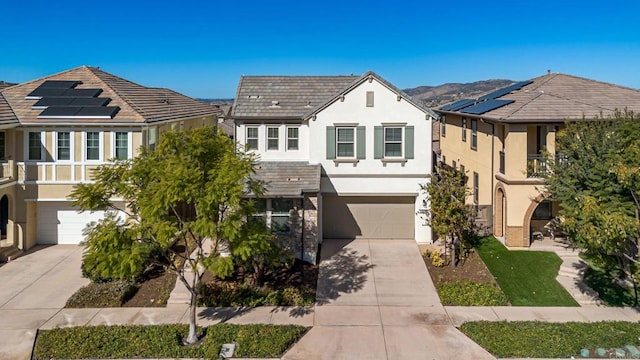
59, 112
59, 84
505, 90
90, 101
98, 111
82, 92
485, 106
52, 101
43, 92
455, 106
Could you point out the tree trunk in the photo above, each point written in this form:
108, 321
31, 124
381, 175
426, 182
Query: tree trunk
192, 338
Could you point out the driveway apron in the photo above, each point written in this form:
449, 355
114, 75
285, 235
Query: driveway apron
376, 300
33, 288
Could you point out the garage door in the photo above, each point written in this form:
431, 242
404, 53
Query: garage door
60, 223
351, 217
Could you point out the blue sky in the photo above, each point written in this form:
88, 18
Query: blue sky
201, 48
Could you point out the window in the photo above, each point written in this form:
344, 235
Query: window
292, 138
274, 213
152, 136
542, 211
279, 215
369, 98
252, 138
393, 142
443, 126
475, 187
464, 174
474, 134
64, 146
93, 145
35, 146
454, 165
122, 145
464, 129
2, 145
345, 142
272, 138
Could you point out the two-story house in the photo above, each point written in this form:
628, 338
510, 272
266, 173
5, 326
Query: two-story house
344, 156
56, 129
498, 140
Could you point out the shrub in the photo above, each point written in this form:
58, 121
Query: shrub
534, 339
108, 294
163, 341
225, 294
469, 293
434, 256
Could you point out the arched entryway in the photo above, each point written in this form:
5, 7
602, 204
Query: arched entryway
4, 216
500, 213
539, 213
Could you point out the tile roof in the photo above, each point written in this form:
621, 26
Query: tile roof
558, 97
4, 84
7, 116
138, 104
285, 96
288, 178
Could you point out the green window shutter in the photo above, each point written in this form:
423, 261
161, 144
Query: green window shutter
361, 142
378, 142
331, 142
408, 142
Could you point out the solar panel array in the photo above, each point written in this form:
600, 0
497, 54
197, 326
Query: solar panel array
61, 99
486, 102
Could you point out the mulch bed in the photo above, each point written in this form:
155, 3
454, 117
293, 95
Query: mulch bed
153, 290
470, 269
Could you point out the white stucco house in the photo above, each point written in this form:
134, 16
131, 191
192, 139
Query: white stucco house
344, 156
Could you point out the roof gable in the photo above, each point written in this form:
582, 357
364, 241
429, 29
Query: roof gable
7, 116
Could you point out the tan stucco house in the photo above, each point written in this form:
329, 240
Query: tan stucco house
497, 140
55, 130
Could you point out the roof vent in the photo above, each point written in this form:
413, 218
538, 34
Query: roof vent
275, 103
308, 104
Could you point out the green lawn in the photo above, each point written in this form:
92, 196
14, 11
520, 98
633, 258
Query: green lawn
604, 284
534, 339
528, 278
163, 341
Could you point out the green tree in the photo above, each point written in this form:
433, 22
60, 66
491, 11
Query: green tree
449, 215
185, 201
595, 179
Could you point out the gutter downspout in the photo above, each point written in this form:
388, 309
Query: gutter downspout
493, 157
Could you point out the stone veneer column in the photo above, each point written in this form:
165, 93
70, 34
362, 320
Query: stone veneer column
311, 236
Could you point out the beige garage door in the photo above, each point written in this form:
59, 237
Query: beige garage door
351, 217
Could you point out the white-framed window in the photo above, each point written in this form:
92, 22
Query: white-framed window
92, 146
370, 98
273, 138
464, 129
474, 134
393, 144
252, 138
34, 146
274, 214
152, 137
293, 138
63, 146
121, 145
345, 142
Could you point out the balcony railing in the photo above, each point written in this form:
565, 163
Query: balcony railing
536, 166
501, 162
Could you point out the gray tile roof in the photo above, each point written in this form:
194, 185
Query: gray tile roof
558, 97
288, 178
285, 97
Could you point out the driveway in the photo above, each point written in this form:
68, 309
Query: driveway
376, 301
33, 289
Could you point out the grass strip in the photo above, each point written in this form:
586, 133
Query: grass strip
164, 341
528, 278
535, 339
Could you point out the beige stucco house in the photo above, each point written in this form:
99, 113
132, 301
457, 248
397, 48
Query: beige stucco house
55, 130
497, 140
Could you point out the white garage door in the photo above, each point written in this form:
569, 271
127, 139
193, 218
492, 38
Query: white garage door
60, 223
381, 217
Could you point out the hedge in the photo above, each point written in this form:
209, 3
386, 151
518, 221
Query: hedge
469, 293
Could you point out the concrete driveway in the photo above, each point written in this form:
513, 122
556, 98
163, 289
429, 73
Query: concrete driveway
33, 288
376, 301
